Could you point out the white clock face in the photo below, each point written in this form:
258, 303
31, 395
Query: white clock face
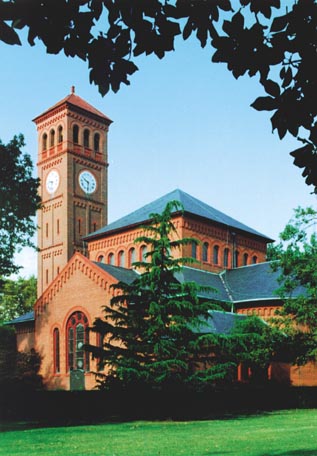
87, 182
52, 181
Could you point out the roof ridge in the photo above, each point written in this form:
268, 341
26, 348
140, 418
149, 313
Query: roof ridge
191, 206
203, 270
76, 101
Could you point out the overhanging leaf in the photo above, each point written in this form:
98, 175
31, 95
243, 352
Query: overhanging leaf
8, 34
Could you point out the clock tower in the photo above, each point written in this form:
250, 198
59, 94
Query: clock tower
72, 167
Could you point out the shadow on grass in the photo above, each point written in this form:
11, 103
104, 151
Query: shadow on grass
300, 452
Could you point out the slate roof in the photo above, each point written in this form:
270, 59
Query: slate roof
208, 279
76, 101
121, 274
191, 206
221, 322
253, 283
245, 284
28, 317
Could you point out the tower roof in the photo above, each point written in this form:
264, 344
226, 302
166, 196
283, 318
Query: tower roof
76, 102
191, 205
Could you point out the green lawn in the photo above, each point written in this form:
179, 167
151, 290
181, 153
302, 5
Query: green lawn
287, 433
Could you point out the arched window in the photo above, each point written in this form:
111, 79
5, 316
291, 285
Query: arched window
143, 252
52, 138
205, 251
44, 142
226, 257
194, 249
121, 259
101, 259
132, 257
97, 142
75, 134
245, 259
77, 335
236, 259
111, 259
254, 259
60, 134
86, 138
216, 254
56, 352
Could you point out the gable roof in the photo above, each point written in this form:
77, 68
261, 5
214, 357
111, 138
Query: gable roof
78, 262
191, 206
74, 101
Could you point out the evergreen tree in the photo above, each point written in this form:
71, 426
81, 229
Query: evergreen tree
253, 344
152, 327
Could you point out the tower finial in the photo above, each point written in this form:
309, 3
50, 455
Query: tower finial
73, 89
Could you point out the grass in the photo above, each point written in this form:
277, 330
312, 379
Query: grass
286, 433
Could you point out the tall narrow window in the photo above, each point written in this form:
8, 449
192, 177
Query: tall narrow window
216, 254
194, 250
101, 259
236, 259
111, 259
94, 226
254, 259
57, 226
46, 276
52, 138
121, 259
75, 134
86, 138
132, 257
226, 257
44, 142
245, 259
60, 134
77, 337
46, 229
97, 142
79, 226
143, 252
56, 351
205, 251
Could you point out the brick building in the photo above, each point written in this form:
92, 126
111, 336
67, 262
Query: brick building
81, 256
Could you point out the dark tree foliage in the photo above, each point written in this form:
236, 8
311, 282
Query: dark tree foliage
19, 201
18, 371
254, 344
17, 297
152, 327
260, 38
296, 258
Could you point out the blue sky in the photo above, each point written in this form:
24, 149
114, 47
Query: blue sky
184, 122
